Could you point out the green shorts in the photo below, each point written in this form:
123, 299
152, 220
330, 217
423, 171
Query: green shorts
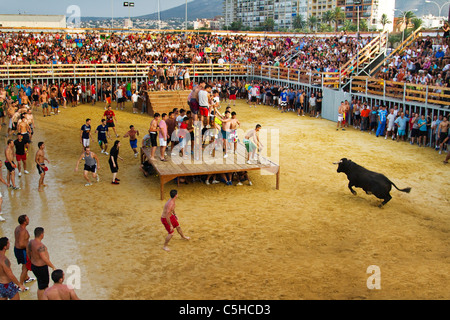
249, 145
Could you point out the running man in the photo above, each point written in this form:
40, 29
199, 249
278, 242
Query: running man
92, 164
110, 118
102, 131
9, 285
40, 165
170, 220
133, 133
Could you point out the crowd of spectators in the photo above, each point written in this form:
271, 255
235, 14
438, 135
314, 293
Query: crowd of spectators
306, 53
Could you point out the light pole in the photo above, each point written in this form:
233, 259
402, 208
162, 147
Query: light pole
439, 7
358, 3
185, 21
129, 5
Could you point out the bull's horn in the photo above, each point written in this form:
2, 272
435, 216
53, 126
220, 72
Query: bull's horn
337, 162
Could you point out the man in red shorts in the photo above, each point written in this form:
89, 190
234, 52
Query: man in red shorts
204, 96
170, 220
21, 154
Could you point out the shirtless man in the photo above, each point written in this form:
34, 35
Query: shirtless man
252, 143
10, 165
54, 101
40, 261
154, 130
443, 133
170, 220
24, 129
59, 291
225, 131
132, 134
234, 124
10, 112
9, 285
29, 118
40, 165
22, 237
341, 112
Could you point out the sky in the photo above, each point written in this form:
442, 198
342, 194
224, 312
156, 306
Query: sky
88, 8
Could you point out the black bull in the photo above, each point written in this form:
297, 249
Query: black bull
371, 182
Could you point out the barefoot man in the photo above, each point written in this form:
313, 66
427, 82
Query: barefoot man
170, 220
40, 165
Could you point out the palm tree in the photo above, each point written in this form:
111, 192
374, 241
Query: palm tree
327, 17
312, 22
417, 23
338, 15
299, 22
406, 17
384, 20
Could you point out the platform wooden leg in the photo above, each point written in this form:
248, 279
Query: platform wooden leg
278, 179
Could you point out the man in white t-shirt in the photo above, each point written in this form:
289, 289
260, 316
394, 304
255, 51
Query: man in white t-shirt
390, 124
134, 99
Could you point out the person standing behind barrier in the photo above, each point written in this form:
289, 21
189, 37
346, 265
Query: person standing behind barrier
40, 261
382, 114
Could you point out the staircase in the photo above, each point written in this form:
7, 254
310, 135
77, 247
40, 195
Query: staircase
407, 42
164, 101
366, 57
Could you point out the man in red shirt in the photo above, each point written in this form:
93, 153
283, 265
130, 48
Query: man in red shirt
93, 93
110, 118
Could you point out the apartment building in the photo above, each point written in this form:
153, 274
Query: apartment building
370, 10
253, 13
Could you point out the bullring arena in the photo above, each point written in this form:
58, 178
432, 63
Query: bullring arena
311, 239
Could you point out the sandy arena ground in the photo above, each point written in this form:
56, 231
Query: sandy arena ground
312, 239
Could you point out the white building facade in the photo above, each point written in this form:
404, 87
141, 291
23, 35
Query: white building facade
32, 21
253, 13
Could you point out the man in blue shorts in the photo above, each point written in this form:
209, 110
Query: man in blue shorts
401, 123
132, 134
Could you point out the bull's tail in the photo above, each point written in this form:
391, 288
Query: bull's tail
407, 190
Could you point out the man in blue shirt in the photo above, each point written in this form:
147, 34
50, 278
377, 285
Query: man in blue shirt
283, 100
422, 130
102, 131
382, 113
401, 123
291, 97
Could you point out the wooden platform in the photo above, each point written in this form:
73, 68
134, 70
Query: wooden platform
179, 167
164, 101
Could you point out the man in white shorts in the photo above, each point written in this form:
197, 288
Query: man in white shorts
390, 124
85, 135
163, 136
